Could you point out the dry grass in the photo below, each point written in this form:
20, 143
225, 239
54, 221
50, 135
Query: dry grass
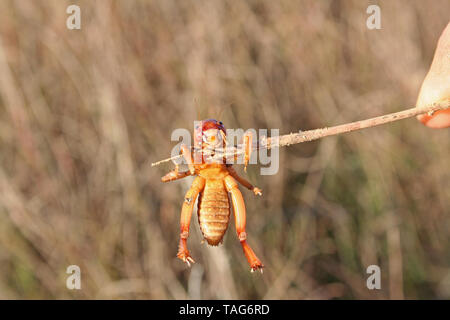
84, 113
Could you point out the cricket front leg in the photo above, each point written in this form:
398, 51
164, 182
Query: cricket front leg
187, 155
240, 221
257, 191
185, 221
248, 148
175, 175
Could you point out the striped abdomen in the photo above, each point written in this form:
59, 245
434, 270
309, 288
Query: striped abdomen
213, 211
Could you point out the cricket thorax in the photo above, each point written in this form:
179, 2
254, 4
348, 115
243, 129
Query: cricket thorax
213, 171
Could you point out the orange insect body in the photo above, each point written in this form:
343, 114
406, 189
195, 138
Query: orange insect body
213, 204
215, 185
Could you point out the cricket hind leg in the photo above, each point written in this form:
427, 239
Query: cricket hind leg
185, 220
240, 221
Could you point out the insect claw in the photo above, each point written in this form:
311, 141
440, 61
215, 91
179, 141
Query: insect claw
261, 270
257, 191
252, 270
190, 259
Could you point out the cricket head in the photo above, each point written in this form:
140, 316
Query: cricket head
210, 134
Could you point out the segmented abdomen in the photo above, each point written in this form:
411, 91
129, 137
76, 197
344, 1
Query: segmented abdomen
213, 211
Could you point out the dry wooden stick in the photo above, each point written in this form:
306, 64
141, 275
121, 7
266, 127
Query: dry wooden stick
310, 135
315, 134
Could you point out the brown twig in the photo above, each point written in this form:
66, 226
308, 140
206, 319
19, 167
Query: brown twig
310, 135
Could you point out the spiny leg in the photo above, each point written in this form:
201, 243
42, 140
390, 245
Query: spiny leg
185, 221
240, 221
175, 175
244, 182
187, 155
248, 146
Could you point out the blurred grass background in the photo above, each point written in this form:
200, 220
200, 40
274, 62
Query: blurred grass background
83, 113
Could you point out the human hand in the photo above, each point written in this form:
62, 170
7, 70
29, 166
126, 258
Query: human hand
436, 85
